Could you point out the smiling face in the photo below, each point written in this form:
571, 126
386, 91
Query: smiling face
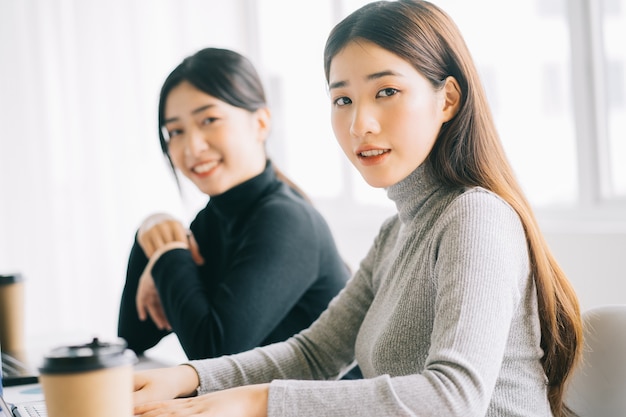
216, 145
385, 114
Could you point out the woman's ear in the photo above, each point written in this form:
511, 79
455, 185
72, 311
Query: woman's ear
452, 98
264, 121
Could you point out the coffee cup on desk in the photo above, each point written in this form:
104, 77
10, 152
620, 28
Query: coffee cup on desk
90, 380
12, 313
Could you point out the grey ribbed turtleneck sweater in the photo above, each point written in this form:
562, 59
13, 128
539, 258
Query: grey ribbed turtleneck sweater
441, 317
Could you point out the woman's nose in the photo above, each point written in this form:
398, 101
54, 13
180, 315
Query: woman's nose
364, 122
196, 143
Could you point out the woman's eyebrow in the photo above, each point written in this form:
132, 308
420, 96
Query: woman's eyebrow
202, 108
374, 76
381, 74
337, 84
195, 111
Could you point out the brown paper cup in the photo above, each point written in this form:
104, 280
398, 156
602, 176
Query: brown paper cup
91, 380
12, 314
101, 393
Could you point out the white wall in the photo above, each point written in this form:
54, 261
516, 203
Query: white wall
595, 262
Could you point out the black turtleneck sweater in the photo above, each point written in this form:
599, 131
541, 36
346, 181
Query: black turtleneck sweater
271, 267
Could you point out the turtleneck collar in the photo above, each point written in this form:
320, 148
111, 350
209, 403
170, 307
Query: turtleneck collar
239, 198
411, 193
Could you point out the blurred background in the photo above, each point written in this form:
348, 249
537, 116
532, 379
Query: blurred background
81, 167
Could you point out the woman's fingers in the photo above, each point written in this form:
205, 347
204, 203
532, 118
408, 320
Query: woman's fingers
195, 250
148, 301
156, 312
245, 401
159, 230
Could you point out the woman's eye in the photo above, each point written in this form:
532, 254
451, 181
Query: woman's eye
208, 120
342, 101
386, 92
172, 133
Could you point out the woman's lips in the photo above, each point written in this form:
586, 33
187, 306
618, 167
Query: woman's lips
373, 156
204, 169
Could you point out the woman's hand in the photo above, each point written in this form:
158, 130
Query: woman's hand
164, 384
158, 234
161, 229
147, 298
246, 401
148, 301
158, 230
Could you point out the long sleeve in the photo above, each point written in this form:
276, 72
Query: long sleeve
140, 335
452, 332
323, 351
269, 271
450, 326
271, 268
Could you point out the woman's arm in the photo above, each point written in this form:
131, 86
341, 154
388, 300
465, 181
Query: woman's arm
165, 383
142, 321
275, 258
236, 385
139, 334
247, 401
481, 268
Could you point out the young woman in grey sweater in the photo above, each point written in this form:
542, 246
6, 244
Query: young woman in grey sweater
459, 308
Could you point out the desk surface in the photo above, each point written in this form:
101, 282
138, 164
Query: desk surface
167, 352
32, 392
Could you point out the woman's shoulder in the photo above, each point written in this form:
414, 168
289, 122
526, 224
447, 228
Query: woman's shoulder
479, 208
282, 197
283, 205
478, 200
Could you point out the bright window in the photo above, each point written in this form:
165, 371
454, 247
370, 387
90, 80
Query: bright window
613, 25
564, 149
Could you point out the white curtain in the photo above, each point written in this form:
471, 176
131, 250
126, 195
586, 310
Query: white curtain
79, 155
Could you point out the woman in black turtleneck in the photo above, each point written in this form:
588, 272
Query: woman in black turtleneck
258, 263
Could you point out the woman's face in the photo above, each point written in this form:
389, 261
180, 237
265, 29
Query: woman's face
214, 144
385, 114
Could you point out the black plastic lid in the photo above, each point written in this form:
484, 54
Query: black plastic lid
10, 278
89, 357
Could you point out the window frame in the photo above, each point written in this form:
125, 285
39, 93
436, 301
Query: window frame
597, 208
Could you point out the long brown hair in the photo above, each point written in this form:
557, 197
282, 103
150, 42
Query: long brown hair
468, 152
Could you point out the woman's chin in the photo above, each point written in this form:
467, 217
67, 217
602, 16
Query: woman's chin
376, 181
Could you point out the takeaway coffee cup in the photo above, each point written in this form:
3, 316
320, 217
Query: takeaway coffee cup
12, 313
90, 380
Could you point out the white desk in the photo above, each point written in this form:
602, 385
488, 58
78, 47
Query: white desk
33, 392
167, 353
